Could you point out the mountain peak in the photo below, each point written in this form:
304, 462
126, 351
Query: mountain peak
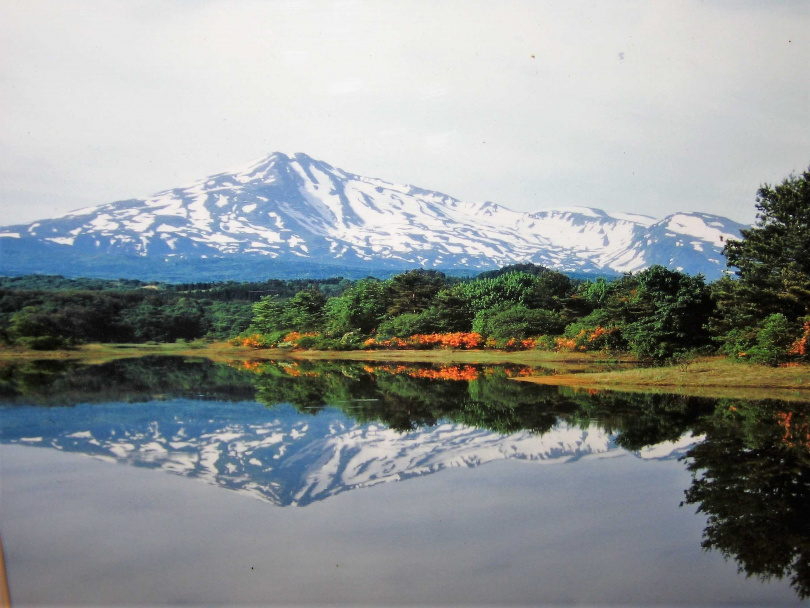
293, 208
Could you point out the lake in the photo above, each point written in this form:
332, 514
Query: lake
164, 480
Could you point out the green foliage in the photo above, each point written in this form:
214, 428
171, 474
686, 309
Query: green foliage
517, 322
773, 258
736, 343
308, 342
673, 310
360, 308
43, 342
507, 289
595, 332
409, 324
413, 291
450, 312
526, 268
595, 292
304, 311
774, 340
268, 315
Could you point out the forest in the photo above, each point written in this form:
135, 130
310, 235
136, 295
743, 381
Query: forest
759, 312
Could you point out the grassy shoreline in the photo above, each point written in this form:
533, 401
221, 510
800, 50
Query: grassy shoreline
709, 376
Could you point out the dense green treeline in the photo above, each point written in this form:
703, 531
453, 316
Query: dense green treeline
47, 312
762, 314
658, 314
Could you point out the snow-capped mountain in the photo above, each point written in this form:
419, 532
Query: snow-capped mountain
297, 210
283, 457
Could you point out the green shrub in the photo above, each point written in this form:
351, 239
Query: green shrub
774, 341
516, 322
42, 342
546, 342
737, 343
410, 323
309, 342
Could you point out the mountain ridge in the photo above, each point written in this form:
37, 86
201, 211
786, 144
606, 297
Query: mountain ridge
294, 210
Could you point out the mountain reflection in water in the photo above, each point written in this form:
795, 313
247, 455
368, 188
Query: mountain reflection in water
328, 427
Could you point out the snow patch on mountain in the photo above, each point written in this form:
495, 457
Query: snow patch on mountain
283, 207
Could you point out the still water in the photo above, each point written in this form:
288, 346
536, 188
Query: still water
160, 481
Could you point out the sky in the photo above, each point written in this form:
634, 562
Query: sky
645, 107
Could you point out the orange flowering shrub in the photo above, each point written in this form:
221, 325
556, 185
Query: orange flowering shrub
597, 333
453, 340
252, 341
799, 347
520, 344
597, 338
567, 343
294, 337
387, 343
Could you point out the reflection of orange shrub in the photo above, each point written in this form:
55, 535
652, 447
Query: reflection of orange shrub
466, 372
448, 372
797, 433
250, 366
518, 373
445, 372
294, 370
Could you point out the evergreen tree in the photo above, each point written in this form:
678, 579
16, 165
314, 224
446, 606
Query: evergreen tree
773, 258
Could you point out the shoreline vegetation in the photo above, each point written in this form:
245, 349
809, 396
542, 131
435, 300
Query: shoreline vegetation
715, 376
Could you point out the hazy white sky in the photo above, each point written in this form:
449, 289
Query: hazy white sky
649, 107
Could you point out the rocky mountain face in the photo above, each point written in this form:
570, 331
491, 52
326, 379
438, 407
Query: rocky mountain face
280, 456
293, 214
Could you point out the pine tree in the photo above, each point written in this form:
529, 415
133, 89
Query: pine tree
773, 258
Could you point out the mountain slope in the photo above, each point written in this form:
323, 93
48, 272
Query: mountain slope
285, 210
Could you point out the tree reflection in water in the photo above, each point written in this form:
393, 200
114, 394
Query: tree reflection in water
751, 472
751, 477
